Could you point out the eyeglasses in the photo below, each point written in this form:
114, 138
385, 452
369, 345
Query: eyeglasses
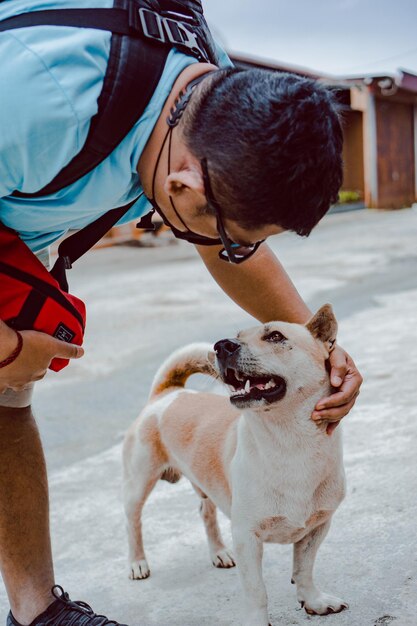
232, 252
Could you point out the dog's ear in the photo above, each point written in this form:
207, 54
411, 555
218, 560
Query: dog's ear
323, 326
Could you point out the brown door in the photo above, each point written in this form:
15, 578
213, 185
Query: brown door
353, 170
395, 143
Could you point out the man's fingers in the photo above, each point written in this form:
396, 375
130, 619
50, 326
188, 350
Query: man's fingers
331, 426
334, 414
348, 391
339, 398
22, 387
345, 376
64, 350
39, 376
338, 365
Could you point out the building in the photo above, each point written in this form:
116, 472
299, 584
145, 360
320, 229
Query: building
380, 132
380, 137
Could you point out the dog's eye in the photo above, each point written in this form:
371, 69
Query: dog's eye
275, 337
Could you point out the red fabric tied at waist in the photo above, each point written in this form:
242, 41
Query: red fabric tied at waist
31, 299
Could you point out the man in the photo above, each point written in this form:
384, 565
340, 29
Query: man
254, 153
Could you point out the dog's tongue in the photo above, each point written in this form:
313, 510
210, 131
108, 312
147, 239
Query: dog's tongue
250, 386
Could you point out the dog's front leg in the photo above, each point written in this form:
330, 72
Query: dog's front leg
312, 599
248, 555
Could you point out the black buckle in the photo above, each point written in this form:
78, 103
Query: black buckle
159, 28
152, 25
146, 223
67, 262
179, 33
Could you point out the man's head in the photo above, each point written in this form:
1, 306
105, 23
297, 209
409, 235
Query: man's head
273, 145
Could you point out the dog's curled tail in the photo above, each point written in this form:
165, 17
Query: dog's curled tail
196, 358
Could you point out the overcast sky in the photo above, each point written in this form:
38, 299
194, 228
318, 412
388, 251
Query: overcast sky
331, 36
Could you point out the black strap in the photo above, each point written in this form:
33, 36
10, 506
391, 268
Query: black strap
132, 61
116, 20
74, 246
178, 23
141, 41
30, 310
138, 20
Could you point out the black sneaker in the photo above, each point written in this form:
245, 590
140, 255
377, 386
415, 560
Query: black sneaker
64, 612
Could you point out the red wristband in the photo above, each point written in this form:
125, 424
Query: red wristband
15, 352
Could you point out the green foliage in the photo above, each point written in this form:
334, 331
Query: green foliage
348, 195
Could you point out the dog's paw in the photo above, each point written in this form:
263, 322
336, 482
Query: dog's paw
139, 570
323, 604
223, 559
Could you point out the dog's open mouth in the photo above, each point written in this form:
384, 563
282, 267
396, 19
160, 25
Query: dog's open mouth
248, 388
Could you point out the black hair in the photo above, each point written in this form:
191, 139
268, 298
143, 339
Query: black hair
273, 144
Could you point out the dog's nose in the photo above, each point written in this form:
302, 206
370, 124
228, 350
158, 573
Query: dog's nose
226, 347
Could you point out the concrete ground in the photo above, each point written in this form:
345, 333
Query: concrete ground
144, 302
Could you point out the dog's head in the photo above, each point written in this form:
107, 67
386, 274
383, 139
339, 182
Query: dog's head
265, 363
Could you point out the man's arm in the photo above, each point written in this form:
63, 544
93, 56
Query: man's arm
262, 287
262, 276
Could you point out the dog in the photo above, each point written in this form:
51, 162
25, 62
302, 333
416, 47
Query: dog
257, 456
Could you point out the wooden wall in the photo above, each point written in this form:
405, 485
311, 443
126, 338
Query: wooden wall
395, 149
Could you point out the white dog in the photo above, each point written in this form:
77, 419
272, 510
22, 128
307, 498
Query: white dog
257, 456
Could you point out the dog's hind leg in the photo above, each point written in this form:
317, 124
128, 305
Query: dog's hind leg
141, 472
312, 599
219, 555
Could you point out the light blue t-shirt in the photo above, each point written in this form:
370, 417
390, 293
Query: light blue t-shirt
50, 80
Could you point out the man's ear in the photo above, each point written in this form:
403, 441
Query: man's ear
323, 326
185, 180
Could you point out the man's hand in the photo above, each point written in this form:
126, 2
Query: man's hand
345, 377
32, 363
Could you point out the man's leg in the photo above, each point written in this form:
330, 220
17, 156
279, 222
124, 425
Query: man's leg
25, 547
25, 544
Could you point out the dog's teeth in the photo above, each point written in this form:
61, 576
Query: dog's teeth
238, 394
247, 386
270, 384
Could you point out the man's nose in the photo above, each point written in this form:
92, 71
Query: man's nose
225, 348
